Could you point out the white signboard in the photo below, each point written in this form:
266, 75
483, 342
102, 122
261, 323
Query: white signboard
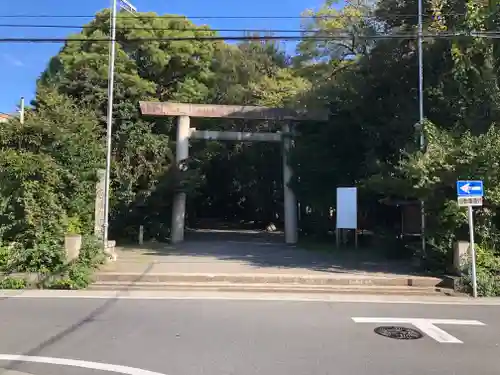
470, 201
347, 208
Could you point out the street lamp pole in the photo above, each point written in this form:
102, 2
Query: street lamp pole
109, 118
421, 107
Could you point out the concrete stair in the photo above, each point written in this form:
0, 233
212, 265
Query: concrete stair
274, 283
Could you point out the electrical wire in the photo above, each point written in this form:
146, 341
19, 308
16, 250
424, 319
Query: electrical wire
145, 15
147, 28
188, 38
35, 26
491, 35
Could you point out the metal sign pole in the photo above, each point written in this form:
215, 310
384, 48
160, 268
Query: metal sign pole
472, 252
470, 194
421, 110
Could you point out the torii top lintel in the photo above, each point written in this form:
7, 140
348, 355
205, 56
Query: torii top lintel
229, 111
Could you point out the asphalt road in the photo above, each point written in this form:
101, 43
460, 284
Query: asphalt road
221, 337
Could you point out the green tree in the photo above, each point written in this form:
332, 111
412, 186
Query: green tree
373, 99
155, 70
49, 167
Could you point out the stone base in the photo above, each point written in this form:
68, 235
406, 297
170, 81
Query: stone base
109, 250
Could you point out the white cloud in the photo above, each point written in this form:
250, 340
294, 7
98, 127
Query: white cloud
12, 60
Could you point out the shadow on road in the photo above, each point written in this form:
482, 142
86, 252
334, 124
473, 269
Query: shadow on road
15, 365
262, 249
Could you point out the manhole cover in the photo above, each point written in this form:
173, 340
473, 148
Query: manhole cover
399, 333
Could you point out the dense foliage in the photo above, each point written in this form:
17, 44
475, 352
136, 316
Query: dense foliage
362, 73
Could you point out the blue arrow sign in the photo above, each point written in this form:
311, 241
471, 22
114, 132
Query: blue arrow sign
470, 188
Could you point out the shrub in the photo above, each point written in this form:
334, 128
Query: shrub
31, 207
488, 285
42, 258
74, 225
91, 254
78, 275
487, 273
48, 261
13, 283
4, 257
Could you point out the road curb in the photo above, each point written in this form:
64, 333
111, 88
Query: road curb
235, 296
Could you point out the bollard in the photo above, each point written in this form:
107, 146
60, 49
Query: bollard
141, 235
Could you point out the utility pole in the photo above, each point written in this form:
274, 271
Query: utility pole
421, 107
109, 118
21, 111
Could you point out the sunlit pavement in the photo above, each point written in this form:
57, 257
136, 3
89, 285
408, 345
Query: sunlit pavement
216, 336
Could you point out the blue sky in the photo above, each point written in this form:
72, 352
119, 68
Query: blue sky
21, 64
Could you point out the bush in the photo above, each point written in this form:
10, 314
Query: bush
74, 225
78, 275
48, 172
91, 254
4, 257
31, 208
487, 273
13, 283
48, 261
44, 258
488, 285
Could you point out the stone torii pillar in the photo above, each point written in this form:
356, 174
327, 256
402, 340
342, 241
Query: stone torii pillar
179, 203
184, 111
290, 201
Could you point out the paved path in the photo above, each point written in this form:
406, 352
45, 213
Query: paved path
223, 337
243, 256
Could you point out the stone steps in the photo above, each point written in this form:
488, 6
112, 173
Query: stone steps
267, 278
270, 288
341, 283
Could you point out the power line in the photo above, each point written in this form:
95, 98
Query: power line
146, 28
190, 38
139, 15
491, 35
150, 28
143, 15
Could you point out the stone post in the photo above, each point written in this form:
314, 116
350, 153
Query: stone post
461, 256
179, 203
99, 214
99, 205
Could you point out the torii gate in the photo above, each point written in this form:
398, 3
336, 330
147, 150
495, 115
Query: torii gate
184, 111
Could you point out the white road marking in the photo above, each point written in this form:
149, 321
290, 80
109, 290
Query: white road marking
436, 333
78, 363
248, 296
427, 326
